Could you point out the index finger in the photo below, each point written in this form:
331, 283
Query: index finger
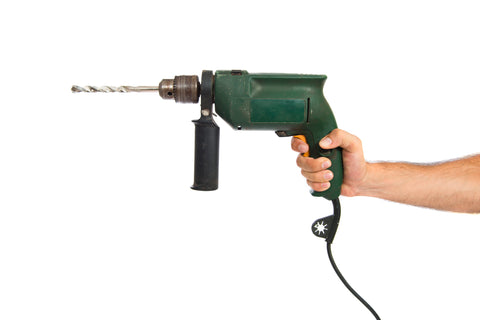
299, 146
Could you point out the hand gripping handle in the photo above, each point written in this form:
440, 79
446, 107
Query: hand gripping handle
335, 156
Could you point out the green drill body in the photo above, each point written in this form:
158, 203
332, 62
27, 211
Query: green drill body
289, 104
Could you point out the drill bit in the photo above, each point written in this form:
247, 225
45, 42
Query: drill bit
184, 89
109, 89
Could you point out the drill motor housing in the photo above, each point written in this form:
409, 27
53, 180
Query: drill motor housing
289, 104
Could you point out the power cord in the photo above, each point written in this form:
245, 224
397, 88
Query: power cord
326, 228
349, 287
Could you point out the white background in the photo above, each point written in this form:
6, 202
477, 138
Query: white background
97, 220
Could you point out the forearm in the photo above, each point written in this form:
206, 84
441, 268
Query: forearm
452, 185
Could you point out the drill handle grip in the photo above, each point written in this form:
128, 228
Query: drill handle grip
335, 156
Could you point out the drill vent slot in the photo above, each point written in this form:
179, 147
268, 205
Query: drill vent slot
308, 109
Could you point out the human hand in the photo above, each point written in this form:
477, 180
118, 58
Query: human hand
316, 170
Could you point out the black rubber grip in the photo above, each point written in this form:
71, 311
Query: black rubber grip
207, 139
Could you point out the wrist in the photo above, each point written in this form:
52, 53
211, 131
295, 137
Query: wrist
370, 184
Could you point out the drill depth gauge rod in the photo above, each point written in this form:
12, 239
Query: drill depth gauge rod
289, 104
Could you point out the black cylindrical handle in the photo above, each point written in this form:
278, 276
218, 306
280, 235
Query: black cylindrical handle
207, 138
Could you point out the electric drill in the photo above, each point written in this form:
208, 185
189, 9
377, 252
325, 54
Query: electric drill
289, 104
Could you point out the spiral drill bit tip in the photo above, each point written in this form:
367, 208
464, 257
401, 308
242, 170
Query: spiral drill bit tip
109, 89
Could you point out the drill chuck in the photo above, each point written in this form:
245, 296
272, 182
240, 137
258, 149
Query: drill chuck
183, 89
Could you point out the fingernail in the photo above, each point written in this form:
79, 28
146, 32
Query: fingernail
328, 175
326, 164
325, 142
302, 148
325, 185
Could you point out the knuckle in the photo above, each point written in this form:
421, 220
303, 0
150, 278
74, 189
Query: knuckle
320, 176
335, 132
356, 140
312, 165
305, 174
319, 186
304, 163
300, 161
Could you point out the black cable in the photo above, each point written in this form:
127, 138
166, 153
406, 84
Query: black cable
336, 213
339, 274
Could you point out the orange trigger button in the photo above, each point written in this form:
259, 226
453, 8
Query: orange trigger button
302, 137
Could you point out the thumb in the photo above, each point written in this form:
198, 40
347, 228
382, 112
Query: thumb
342, 139
326, 142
